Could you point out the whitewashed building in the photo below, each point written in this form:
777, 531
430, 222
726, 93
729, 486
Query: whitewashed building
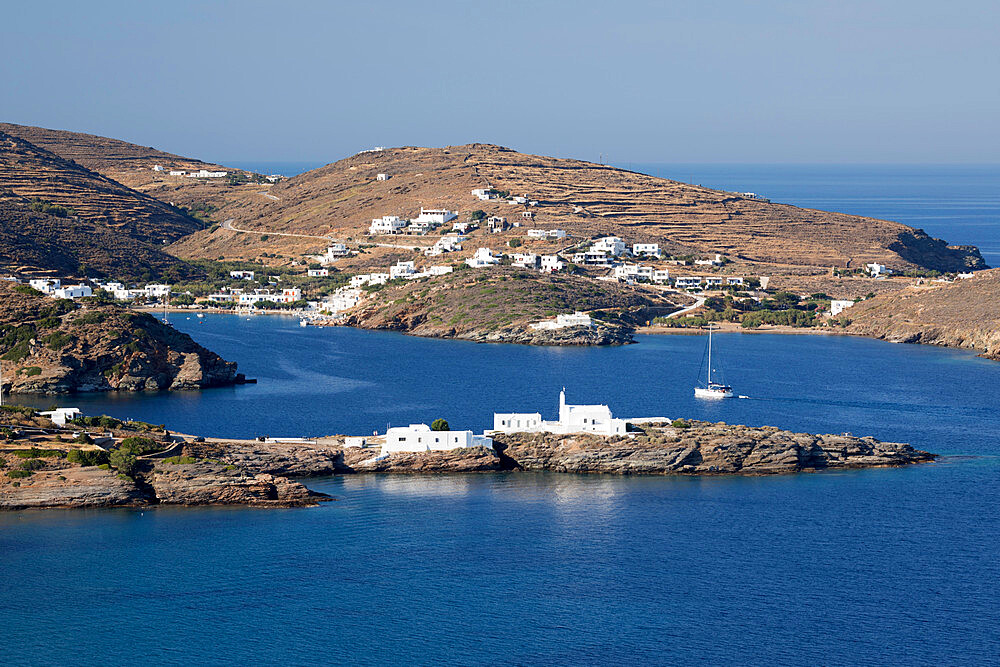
204, 173
715, 261
563, 321
496, 224
402, 270
153, 291
60, 416
877, 270
609, 245
544, 234
387, 224
550, 264
647, 249
382, 177
363, 279
45, 285
485, 194
242, 275
661, 276
837, 306
595, 419
464, 227
435, 216
420, 438
318, 273
682, 282
73, 292
482, 258
526, 260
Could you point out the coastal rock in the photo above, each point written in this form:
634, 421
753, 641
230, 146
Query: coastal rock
58, 346
280, 458
81, 487
963, 314
209, 483
470, 459
701, 448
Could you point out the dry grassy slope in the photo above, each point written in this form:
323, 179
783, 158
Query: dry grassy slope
36, 243
130, 164
964, 314
29, 171
586, 199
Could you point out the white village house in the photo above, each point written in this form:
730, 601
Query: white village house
482, 257
420, 438
387, 224
563, 321
572, 419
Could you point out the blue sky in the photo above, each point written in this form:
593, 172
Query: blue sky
845, 81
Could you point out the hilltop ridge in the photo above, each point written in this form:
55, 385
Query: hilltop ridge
340, 199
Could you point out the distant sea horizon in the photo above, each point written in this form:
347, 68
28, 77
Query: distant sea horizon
954, 202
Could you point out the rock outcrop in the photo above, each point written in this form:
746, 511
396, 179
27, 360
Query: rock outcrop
964, 314
59, 483
58, 346
701, 448
210, 483
71, 487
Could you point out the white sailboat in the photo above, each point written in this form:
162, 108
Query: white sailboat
712, 389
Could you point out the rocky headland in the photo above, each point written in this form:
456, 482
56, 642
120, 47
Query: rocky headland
54, 346
963, 314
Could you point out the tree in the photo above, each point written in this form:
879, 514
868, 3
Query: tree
478, 214
440, 425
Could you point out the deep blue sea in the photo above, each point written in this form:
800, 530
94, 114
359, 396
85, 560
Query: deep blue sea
894, 566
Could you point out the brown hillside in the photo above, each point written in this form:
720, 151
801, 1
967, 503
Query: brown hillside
963, 314
32, 172
34, 242
583, 198
132, 165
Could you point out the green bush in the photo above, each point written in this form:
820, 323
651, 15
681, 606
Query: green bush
137, 446
123, 461
90, 457
57, 340
36, 453
33, 464
680, 423
180, 460
83, 439
19, 474
440, 425
31, 371
95, 317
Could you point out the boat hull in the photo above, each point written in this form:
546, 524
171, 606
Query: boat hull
713, 393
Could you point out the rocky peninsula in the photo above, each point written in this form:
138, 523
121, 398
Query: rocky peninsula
57, 346
963, 314
135, 464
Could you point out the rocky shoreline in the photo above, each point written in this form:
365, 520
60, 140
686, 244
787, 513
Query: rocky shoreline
57, 346
243, 472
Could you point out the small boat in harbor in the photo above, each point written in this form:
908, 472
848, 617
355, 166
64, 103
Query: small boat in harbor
712, 389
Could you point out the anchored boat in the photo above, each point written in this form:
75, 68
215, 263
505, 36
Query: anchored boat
711, 389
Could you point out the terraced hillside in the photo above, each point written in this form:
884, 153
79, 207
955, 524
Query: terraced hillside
34, 242
34, 173
132, 165
583, 198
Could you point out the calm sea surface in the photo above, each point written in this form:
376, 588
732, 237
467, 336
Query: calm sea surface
881, 566
887, 566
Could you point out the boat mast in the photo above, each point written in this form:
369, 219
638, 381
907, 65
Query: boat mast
710, 355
